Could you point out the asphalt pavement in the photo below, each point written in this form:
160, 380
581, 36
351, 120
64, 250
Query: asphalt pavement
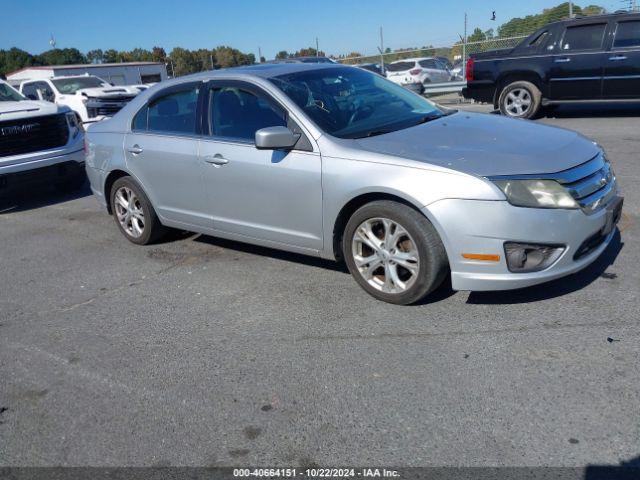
198, 351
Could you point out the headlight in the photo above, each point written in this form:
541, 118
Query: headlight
536, 193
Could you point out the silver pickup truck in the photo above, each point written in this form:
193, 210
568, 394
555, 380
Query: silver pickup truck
38, 140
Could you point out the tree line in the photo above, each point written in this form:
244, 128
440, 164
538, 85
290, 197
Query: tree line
180, 61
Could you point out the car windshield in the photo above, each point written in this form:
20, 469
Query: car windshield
8, 94
72, 85
349, 102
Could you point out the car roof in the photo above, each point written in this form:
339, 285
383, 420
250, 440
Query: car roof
262, 70
414, 59
604, 17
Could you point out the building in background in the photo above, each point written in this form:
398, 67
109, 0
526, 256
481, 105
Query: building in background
131, 73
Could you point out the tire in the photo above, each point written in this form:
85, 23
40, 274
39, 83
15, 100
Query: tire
418, 247
141, 229
520, 100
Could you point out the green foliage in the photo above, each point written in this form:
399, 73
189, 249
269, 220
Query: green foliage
95, 56
14, 59
158, 54
61, 56
530, 23
110, 56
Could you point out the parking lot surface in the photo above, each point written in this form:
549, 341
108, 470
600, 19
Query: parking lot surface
198, 351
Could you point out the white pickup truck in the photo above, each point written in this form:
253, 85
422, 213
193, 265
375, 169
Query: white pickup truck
90, 97
38, 141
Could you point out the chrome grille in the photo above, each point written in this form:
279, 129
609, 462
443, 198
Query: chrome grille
592, 184
107, 106
18, 137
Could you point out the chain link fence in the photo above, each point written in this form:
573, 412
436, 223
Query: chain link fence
454, 53
455, 56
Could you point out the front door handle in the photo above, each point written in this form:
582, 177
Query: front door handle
136, 150
562, 60
617, 58
216, 159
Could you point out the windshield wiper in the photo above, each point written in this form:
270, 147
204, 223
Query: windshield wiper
374, 133
428, 118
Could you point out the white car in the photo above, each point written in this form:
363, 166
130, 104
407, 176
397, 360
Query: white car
38, 140
412, 71
90, 97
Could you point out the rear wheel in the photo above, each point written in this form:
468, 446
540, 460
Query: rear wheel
520, 100
133, 213
394, 252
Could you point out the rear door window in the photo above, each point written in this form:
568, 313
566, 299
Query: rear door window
627, 35
400, 66
30, 91
584, 37
428, 64
173, 113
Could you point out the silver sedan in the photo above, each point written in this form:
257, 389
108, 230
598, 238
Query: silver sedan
337, 162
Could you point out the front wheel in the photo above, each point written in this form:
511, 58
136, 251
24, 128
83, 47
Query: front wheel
133, 213
394, 252
520, 100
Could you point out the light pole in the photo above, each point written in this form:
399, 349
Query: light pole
381, 51
464, 46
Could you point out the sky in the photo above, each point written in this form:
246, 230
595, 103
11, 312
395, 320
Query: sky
342, 26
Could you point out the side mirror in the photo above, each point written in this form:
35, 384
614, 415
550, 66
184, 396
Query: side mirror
274, 138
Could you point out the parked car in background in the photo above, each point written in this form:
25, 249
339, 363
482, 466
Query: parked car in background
372, 67
38, 140
446, 62
414, 73
457, 71
337, 162
90, 97
309, 59
590, 59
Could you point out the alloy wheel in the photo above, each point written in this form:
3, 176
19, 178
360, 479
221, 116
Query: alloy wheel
385, 255
129, 211
518, 102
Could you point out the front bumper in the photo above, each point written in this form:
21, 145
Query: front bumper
482, 227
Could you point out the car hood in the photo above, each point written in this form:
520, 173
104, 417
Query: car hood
107, 92
26, 109
486, 145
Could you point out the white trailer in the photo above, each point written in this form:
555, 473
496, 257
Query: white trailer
131, 73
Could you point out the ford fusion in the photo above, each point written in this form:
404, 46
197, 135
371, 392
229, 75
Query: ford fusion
340, 163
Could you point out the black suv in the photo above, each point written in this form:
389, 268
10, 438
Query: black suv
588, 59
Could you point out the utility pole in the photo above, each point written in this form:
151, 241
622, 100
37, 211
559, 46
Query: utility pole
259, 55
570, 9
381, 51
317, 48
211, 60
464, 45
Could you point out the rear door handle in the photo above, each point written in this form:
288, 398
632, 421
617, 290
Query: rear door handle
136, 150
216, 159
617, 58
562, 60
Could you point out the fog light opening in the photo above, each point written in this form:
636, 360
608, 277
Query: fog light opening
529, 257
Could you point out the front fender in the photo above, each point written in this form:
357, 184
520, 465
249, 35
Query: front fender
345, 180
